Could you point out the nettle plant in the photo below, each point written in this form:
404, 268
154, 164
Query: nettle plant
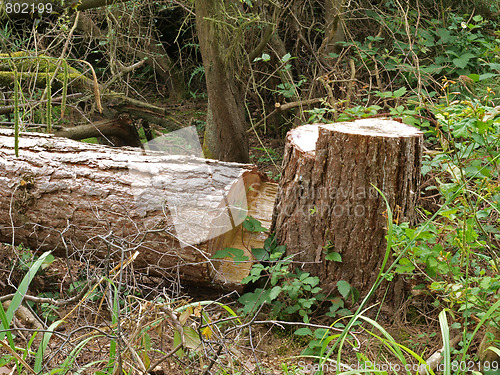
456, 249
287, 293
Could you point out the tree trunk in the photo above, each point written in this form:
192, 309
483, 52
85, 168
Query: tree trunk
225, 132
334, 28
94, 202
326, 201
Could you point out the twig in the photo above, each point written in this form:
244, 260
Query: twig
179, 328
433, 360
18, 357
52, 301
10, 108
283, 107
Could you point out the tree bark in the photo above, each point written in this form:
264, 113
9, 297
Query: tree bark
225, 132
326, 201
334, 28
94, 202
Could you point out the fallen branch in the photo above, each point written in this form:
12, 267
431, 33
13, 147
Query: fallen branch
433, 361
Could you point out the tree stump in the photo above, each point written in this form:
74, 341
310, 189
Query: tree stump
327, 202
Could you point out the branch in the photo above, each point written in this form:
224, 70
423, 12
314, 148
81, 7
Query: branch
10, 108
263, 43
52, 301
283, 107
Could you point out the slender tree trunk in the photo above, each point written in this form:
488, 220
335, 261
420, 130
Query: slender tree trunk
225, 133
334, 28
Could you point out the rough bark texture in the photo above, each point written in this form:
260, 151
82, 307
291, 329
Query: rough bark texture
225, 135
326, 198
334, 28
91, 201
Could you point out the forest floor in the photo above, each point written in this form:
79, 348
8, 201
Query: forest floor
271, 349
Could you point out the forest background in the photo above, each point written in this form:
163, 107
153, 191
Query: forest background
244, 73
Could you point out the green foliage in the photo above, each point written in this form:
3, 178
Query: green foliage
458, 250
287, 293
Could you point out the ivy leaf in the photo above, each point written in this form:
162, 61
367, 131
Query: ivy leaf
344, 288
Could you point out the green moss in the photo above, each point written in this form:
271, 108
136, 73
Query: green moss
206, 150
40, 78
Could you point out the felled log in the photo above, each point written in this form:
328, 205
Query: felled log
95, 202
327, 202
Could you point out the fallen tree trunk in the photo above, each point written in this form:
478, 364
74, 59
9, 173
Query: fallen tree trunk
120, 129
327, 201
91, 201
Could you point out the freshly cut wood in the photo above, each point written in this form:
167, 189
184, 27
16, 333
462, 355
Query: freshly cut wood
327, 201
96, 202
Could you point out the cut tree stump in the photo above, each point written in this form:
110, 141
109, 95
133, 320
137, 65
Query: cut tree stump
327, 202
90, 201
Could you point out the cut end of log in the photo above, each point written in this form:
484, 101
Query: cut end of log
305, 137
260, 198
375, 127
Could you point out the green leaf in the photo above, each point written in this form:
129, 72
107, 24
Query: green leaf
344, 288
336, 257
303, 332
253, 225
43, 345
404, 266
482, 126
21, 291
484, 76
178, 341
432, 265
275, 292
230, 252
400, 92
191, 337
463, 60
286, 58
260, 254
474, 77
264, 57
